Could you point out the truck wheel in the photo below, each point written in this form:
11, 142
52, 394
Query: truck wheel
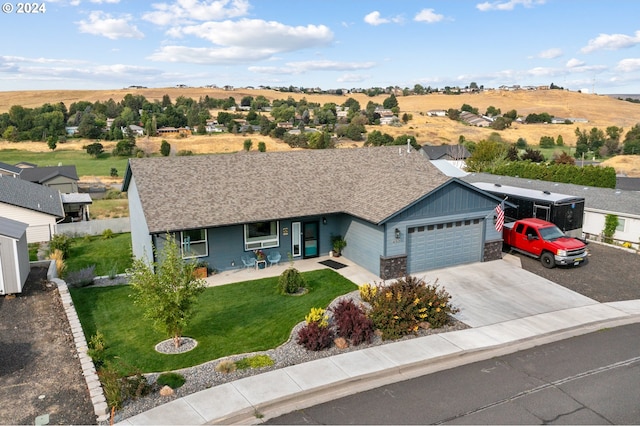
547, 260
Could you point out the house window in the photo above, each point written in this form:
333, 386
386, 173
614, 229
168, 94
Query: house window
194, 243
621, 223
261, 235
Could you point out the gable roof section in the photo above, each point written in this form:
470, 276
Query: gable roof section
20, 193
446, 152
606, 200
43, 174
216, 190
4, 167
12, 228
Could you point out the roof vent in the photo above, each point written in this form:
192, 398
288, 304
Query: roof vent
618, 192
547, 192
497, 184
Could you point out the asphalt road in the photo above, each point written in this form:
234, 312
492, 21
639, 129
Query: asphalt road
590, 379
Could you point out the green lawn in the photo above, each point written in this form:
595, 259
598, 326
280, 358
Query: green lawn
230, 319
112, 255
85, 164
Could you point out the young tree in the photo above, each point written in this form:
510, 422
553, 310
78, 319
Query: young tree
168, 295
165, 148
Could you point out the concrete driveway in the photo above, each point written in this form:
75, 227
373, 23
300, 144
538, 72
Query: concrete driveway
493, 292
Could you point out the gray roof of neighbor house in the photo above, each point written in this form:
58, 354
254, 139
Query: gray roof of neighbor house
43, 174
216, 190
32, 196
446, 152
9, 168
606, 200
12, 228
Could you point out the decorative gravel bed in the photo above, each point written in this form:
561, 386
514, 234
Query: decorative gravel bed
204, 376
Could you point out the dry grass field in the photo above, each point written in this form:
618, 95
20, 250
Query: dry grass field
600, 111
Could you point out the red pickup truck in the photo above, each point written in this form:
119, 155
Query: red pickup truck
545, 241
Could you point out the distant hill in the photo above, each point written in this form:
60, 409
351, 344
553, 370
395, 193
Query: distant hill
600, 111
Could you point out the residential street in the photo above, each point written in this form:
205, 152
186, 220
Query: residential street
590, 379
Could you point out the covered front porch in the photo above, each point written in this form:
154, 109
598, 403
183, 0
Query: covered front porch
351, 271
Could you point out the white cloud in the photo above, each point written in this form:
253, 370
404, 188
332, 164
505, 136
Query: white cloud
310, 66
352, 78
258, 34
105, 1
550, 53
374, 18
507, 5
208, 55
428, 16
611, 42
629, 65
574, 63
103, 24
196, 10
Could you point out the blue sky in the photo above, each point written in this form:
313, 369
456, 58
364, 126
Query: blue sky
589, 45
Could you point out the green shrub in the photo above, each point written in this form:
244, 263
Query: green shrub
60, 242
398, 309
96, 348
107, 234
290, 281
173, 380
256, 361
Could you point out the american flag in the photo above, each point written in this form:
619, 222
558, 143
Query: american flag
500, 216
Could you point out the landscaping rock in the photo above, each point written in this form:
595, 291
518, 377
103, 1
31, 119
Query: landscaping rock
341, 343
166, 391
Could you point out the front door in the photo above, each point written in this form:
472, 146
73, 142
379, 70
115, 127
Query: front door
296, 239
310, 239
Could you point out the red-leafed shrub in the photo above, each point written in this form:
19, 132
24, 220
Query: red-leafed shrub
314, 337
352, 323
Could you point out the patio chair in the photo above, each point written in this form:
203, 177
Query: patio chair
274, 257
248, 261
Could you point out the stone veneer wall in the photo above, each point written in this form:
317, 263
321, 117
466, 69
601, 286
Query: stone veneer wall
492, 251
393, 267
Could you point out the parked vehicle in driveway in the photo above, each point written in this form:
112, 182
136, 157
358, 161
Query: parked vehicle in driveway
545, 241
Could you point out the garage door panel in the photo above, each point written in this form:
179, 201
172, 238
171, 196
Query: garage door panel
445, 244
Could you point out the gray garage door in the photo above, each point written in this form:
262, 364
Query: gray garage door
444, 244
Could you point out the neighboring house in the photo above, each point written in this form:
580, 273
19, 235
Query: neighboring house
14, 256
599, 202
628, 183
135, 130
63, 178
38, 206
474, 120
436, 113
398, 213
9, 170
446, 152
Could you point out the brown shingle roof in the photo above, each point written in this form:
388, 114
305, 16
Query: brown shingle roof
217, 190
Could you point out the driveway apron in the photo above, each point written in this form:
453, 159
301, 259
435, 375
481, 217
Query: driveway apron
493, 292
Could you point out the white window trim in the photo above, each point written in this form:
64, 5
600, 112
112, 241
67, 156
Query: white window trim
262, 242
205, 241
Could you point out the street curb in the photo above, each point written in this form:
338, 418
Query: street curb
260, 413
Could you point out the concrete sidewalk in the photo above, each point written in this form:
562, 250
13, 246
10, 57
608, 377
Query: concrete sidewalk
509, 309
